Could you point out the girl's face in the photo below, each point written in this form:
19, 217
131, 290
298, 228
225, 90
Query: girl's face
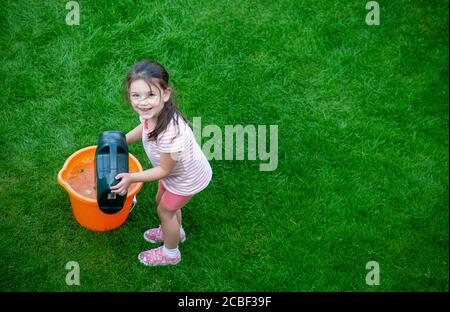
147, 101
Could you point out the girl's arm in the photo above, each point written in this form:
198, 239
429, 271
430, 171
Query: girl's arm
167, 163
134, 135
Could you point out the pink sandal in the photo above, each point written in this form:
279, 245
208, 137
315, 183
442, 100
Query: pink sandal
156, 235
156, 256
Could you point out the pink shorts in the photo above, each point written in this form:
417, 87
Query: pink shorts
170, 200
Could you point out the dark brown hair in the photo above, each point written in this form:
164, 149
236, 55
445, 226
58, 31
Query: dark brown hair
154, 73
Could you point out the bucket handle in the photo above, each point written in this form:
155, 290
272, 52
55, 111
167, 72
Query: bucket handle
132, 207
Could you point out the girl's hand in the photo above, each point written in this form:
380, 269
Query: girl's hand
121, 188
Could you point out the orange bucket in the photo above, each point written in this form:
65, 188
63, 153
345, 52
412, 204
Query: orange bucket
77, 177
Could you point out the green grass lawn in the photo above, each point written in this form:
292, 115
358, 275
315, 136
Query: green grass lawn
362, 122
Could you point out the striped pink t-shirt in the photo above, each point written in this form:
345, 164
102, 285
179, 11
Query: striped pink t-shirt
192, 172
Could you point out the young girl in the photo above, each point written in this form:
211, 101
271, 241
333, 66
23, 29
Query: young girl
178, 161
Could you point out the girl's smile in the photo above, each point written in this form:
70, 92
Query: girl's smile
144, 111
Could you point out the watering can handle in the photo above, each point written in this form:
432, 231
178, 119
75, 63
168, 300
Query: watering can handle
113, 157
113, 164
